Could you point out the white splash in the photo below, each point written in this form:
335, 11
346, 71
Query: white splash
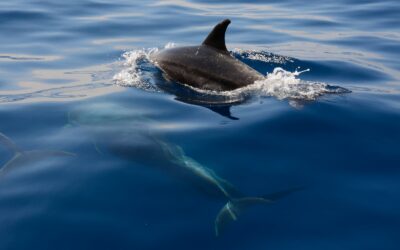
139, 72
261, 56
135, 71
281, 84
169, 45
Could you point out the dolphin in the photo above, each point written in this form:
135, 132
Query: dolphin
236, 202
208, 66
23, 157
129, 135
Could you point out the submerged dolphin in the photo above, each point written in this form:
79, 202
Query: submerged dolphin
22, 157
130, 136
208, 66
236, 202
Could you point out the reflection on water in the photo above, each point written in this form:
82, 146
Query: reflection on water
62, 93
62, 85
17, 57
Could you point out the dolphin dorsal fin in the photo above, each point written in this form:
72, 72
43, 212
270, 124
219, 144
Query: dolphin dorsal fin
216, 38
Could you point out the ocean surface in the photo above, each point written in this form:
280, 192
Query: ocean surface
95, 141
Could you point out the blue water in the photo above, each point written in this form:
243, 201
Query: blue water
75, 79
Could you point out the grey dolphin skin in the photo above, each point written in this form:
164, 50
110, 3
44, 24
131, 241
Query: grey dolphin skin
208, 66
23, 157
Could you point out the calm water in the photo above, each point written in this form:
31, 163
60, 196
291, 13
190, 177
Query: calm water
110, 134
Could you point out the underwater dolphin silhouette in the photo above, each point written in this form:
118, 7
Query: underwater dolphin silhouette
236, 202
122, 131
22, 157
208, 66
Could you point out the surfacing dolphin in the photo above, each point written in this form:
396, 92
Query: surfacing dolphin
208, 66
130, 136
23, 157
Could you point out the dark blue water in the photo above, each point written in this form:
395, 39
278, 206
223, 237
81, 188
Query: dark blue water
110, 135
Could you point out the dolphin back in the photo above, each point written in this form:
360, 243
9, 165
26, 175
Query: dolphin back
208, 66
205, 67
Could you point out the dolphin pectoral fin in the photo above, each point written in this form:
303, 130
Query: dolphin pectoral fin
9, 144
223, 110
233, 209
216, 38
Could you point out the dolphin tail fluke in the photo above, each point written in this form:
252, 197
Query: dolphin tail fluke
233, 208
9, 144
23, 157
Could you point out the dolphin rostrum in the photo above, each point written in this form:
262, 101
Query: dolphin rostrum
208, 66
22, 157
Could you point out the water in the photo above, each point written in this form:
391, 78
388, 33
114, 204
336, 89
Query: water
112, 136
